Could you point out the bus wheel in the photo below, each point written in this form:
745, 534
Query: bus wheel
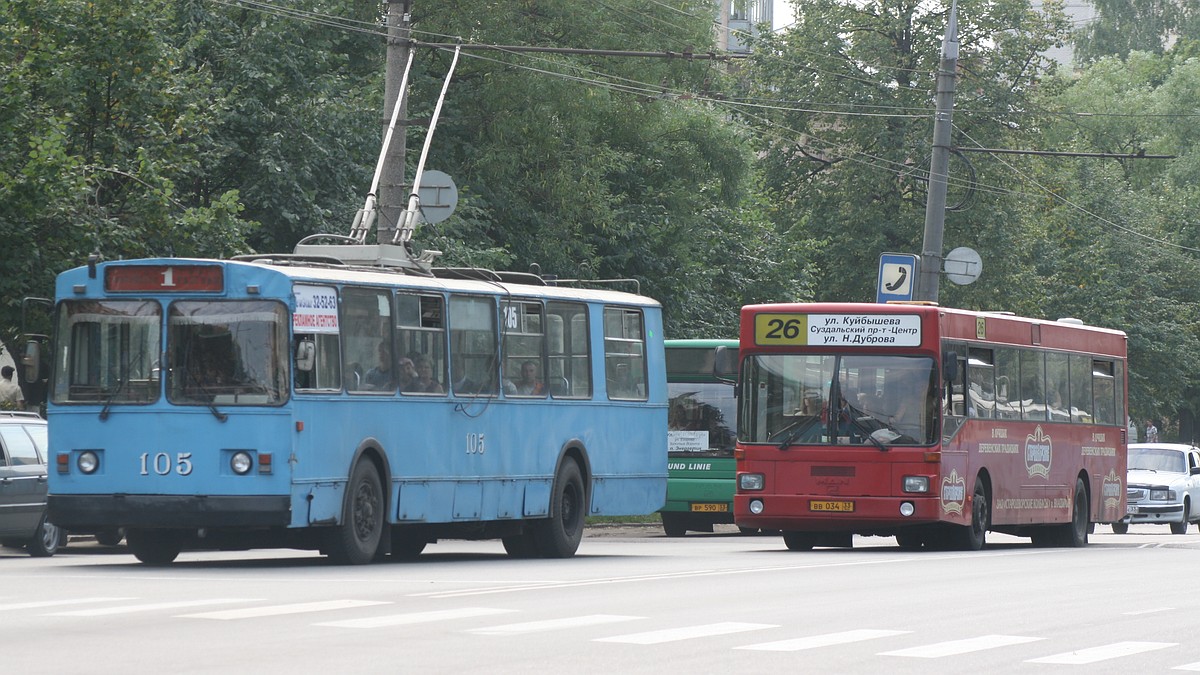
674, 524
47, 538
747, 530
559, 535
1075, 533
109, 537
799, 541
154, 547
1120, 528
910, 541
520, 546
355, 541
973, 537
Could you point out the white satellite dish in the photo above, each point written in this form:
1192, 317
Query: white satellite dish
962, 265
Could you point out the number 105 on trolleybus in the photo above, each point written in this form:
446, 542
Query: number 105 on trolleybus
929, 424
361, 411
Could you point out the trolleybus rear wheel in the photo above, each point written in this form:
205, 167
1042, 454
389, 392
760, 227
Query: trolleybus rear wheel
355, 541
520, 546
154, 547
559, 535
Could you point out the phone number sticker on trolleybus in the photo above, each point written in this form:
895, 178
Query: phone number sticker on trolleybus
837, 330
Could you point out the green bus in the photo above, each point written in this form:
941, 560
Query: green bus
702, 428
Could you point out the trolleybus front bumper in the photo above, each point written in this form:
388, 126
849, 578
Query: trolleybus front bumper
172, 511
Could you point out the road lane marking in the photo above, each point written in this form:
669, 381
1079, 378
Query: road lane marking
827, 640
149, 607
415, 618
57, 603
280, 610
656, 637
554, 624
1103, 653
955, 647
1149, 611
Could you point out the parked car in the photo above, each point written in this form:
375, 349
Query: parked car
1163, 486
23, 453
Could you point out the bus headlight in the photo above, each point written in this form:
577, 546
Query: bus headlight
750, 481
916, 483
907, 509
756, 506
241, 462
87, 461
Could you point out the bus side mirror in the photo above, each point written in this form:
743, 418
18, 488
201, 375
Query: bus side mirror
724, 362
306, 355
950, 366
31, 361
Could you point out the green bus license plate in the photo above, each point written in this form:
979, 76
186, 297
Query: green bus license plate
710, 508
840, 507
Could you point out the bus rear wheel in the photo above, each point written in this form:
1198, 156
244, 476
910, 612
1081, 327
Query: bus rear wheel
154, 547
356, 540
559, 535
674, 524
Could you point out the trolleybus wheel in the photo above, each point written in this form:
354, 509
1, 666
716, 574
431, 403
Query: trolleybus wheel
674, 524
1120, 528
154, 547
973, 537
407, 546
520, 546
799, 541
559, 535
355, 541
46, 540
1075, 533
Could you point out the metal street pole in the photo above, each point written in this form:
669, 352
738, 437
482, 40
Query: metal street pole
939, 164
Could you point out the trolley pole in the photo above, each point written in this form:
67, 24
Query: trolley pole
939, 164
393, 193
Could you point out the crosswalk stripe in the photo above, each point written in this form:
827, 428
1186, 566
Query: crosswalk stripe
955, 647
130, 609
553, 624
415, 617
280, 610
40, 604
1103, 653
1192, 667
655, 637
827, 640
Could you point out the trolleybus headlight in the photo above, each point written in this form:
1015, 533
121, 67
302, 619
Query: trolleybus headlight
756, 506
916, 483
87, 461
1163, 495
907, 509
750, 481
240, 462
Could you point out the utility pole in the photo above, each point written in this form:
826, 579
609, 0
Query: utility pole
393, 193
939, 164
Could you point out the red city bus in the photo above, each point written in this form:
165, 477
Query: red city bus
946, 424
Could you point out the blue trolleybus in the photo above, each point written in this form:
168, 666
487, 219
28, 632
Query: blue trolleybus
308, 402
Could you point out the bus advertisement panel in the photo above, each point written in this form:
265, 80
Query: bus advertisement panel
359, 411
944, 424
701, 432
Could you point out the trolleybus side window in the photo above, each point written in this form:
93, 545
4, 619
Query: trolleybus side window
524, 342
474, 360
107, 351
317, 339
569, 369
227, 352
370, 364
421, 338
624, 353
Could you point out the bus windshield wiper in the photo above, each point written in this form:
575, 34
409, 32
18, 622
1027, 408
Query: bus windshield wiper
794, 430
208, 396
104, 412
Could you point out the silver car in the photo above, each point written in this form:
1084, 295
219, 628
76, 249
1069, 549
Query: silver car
1163, 486
23, 453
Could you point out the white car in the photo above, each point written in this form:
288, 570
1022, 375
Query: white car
1163, 486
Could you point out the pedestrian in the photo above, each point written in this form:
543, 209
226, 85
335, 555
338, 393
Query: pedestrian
1151, 432
11, 397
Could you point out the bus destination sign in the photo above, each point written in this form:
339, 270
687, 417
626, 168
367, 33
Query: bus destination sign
164, 278
837, 330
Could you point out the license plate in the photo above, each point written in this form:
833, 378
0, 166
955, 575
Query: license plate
1130, 508
710, 508
840, 507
